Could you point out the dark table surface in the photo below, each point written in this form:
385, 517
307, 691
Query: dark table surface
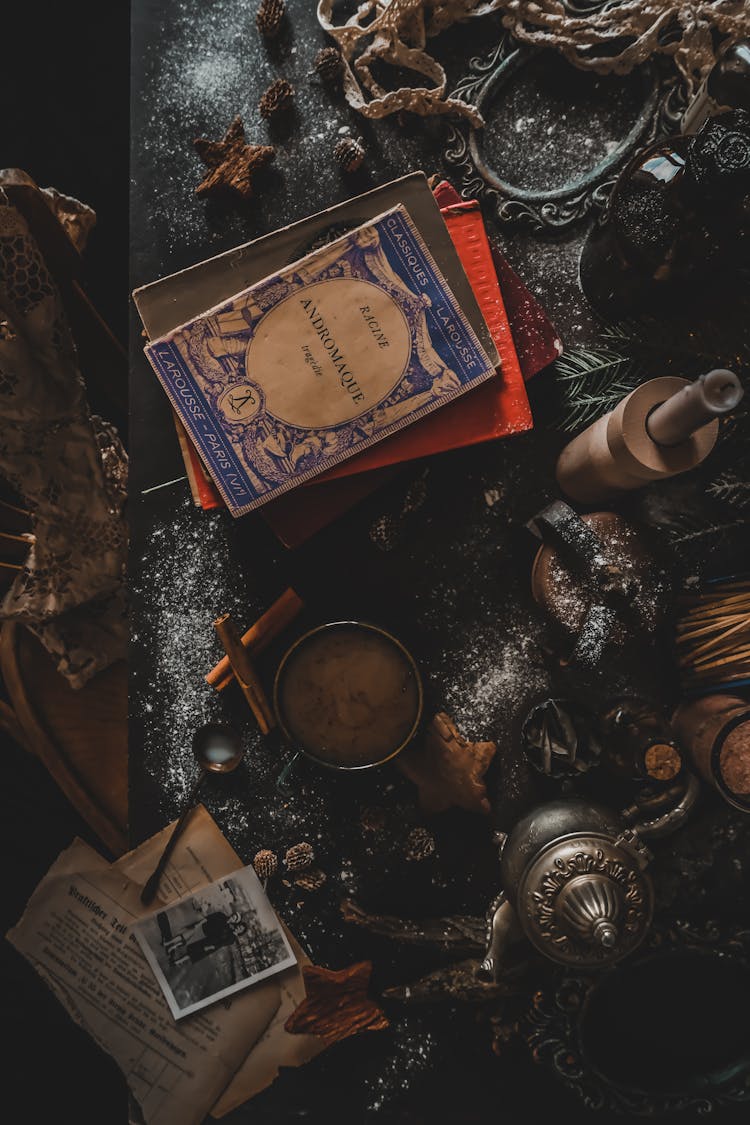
440, 555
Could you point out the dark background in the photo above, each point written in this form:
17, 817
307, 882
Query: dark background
64, 107
64, 102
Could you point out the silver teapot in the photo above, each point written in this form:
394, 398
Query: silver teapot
574, 883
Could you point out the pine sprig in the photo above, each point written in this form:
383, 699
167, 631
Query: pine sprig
591, 381
730, 489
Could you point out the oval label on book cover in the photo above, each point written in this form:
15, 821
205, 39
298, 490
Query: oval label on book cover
240, 402
329, 352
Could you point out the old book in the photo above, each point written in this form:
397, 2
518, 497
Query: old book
319, 361
172, 300
203, 490
180, 297
536, 341
497, 409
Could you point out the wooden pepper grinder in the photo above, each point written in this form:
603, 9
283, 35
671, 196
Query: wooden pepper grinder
662, 428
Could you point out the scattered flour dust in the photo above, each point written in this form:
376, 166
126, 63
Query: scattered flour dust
413, 1050
485, 680
187, 576
206, 63
188, 579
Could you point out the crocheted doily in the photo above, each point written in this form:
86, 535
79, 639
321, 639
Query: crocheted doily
611, 38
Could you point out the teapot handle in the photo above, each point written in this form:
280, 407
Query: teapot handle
671, 818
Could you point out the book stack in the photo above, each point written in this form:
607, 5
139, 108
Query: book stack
304, 366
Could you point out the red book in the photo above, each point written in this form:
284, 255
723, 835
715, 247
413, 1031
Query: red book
496, 409
203, 490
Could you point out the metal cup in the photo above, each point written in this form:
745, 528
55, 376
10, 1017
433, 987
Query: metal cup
309, 752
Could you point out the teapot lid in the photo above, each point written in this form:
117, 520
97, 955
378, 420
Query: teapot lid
585, 901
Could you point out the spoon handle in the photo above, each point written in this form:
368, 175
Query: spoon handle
282, 781
148, 894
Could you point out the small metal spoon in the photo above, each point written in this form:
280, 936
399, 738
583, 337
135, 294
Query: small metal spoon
217, 749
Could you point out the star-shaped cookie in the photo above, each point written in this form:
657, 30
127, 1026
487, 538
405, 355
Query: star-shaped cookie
337, 1004
231, 162
448, 769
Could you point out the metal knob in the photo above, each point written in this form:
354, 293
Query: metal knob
588, 908
605, 933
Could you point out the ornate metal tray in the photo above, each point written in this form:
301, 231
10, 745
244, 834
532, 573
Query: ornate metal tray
532, 195
629, 1041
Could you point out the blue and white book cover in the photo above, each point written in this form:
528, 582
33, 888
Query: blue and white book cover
310, 366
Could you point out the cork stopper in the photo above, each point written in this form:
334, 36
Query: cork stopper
662, 761
734, 761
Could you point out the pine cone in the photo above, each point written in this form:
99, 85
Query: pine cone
349, 153
266, 864
420, 844
269, 17
328, 64
311, 880
277, 98
299, 857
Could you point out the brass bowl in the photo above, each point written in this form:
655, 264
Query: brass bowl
278, 681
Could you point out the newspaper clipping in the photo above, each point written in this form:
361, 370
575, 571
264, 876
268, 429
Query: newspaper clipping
78, 933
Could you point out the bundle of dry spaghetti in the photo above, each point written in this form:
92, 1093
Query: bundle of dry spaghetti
713, 635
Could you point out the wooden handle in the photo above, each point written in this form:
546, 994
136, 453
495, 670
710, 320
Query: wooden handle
245, 674
148, 894
260, 635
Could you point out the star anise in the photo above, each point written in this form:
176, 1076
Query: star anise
232, 162
336, 1005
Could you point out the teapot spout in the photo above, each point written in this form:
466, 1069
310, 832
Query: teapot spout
503, 929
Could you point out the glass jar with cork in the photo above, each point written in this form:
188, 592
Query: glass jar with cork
639, 743
715, 730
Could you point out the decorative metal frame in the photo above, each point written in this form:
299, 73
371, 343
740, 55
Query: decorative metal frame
551, 209
552, 1029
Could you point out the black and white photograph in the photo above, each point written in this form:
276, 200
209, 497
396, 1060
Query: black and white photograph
216, 941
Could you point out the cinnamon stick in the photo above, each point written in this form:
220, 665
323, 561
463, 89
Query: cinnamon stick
247, 677
260, 635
